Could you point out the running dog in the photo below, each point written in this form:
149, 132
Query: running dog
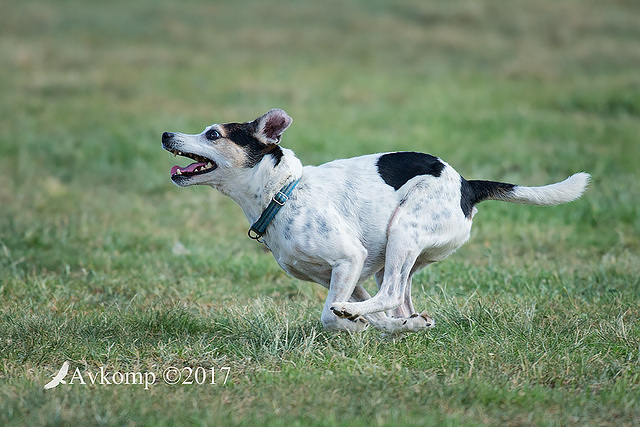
384, 215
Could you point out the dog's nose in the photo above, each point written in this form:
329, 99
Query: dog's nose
166, 136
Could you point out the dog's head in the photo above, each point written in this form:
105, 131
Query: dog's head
224, 147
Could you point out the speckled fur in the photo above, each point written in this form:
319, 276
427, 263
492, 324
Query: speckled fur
343, 223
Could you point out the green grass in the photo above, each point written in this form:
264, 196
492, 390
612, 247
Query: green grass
538, 317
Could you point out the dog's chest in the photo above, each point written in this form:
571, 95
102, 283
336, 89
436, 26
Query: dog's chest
309, 241
332, 216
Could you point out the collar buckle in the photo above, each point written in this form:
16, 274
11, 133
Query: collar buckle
280, 198
258, 228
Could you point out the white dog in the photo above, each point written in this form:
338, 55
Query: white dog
383, 215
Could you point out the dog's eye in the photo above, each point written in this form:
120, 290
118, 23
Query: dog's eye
212, 134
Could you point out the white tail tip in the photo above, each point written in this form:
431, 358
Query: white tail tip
553, 194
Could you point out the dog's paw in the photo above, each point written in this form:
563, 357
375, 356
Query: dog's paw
357, 324
360, 323
418, 322
428, 320
395, 326
340, 310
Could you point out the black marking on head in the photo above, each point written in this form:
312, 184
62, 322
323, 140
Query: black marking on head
398, 168
243, 134
474, 192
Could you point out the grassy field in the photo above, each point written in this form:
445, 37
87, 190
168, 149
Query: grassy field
105, 264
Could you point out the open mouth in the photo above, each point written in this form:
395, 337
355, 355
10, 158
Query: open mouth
201, 166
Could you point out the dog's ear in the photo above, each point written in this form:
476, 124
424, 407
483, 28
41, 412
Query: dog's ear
271, 126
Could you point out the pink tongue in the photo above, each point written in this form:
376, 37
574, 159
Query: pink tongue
188, 169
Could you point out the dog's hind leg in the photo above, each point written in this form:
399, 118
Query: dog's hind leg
406, 308
400, 258
401, 319
410, 244
393, 296
360, 294
393, 326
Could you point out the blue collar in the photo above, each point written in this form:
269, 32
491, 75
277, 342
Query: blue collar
259, 227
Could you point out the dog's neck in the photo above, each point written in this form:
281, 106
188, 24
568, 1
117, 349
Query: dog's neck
253, 188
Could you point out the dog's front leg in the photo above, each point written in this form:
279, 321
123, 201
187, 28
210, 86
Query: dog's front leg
344, 278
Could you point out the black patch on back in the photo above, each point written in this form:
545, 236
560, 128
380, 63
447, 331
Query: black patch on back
398, 168
242, 135
474, 192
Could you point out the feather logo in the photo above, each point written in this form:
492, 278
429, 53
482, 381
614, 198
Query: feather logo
59, 377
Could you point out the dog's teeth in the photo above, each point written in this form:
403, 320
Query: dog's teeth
178, 172
209, 165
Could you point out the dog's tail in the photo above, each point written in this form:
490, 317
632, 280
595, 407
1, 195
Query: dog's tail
548, 195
